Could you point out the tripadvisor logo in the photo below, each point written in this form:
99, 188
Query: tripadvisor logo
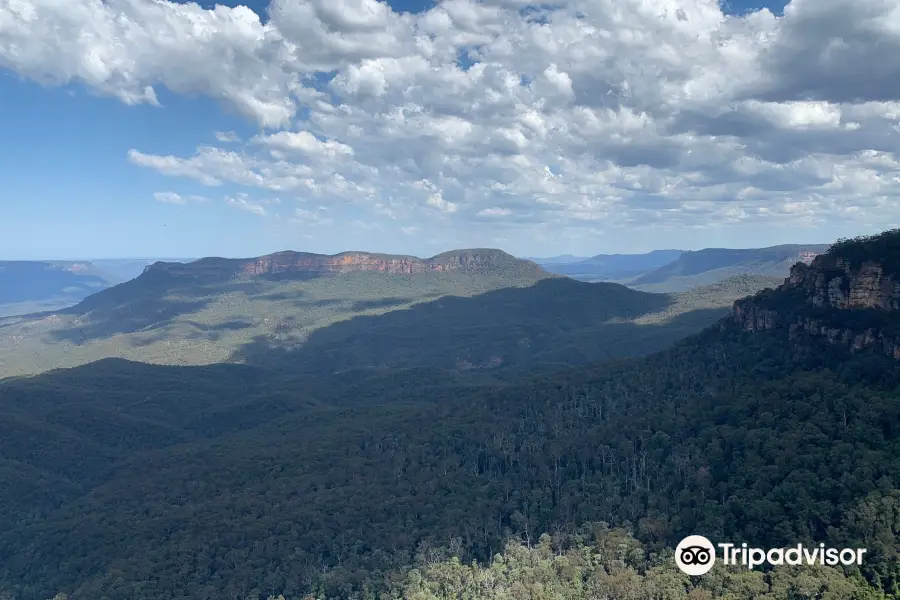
696, 555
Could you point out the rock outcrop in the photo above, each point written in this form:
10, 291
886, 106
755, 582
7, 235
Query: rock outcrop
479, 261
288, 262
852, 303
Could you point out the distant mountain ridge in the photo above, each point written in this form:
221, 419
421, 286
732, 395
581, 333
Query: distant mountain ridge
673, 271
472, 261
708, 266
460, 310
123, 269
552, 260
699, 261
32, 286
611, 266
23, 280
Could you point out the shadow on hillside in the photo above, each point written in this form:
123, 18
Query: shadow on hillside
27, 282
553, 321
277, 296
128, 317
380, 303
156, 299
230, 325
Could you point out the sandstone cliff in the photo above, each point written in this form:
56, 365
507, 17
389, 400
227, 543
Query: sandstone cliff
848, 296
478, 261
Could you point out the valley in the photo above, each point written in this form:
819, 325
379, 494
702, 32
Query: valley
281, 477
43, 286
450, 300
674, 271
471, 309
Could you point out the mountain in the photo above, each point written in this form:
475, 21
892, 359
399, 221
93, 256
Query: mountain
553, 260
470, 309
122, 480
40, 286
672, 271
31, 286
123, 269
703, 267
613, 267
478, 261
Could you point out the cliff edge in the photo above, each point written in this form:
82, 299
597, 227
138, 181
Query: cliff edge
475, 261
849, 296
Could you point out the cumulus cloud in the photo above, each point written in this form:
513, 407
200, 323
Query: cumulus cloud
226, 137
305, 143
173, 198
494, 212
578, 114
305, 217
242, 202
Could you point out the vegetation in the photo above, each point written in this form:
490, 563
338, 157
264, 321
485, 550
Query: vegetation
601, 562
712, 265
511, 320
611, 267
399, 476
270, 485
883, 248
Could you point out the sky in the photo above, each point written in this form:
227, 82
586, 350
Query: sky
151, 128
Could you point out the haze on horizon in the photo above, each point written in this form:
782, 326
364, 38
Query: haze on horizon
590, 126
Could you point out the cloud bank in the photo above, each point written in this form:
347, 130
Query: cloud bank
592, 114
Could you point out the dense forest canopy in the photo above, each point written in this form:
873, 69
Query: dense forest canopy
882, 248
730, 435
132, 481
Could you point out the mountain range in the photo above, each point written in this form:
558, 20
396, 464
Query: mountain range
36, 286
681, 270
476, 309
609, 267
775, 425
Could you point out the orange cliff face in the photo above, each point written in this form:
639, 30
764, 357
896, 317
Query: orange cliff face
289, 262
463, 261
813, 297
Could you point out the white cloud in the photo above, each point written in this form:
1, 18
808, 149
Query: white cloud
303, 216
570, 119
305, 143
242, 202
494, 212
173, 198
226, 137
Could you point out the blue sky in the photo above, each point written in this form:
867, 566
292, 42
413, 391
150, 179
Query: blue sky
71, 191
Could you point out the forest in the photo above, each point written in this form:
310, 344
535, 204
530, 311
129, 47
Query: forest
730, 435
124, 480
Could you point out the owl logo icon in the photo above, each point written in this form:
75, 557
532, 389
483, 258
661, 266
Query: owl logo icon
695, 555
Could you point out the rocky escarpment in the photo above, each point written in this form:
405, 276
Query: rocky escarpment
479, 261
847, 296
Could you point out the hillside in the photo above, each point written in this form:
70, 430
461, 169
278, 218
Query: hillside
704, 267
464, 310
553, 260
612, 267
32, 286
675, 271
123, 269
848, 296
237, 481
203, 312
